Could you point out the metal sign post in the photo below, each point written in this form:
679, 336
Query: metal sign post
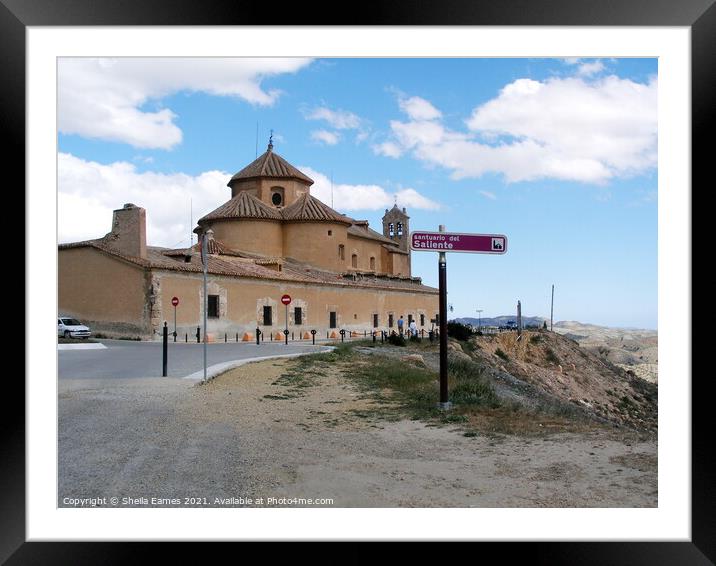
175, 303
443, 242
205, 261
286, 300
442, 285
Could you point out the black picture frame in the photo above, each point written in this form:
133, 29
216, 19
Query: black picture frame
698, 15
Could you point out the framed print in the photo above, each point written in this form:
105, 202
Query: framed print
419, 114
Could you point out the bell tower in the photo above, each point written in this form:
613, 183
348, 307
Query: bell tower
396, 226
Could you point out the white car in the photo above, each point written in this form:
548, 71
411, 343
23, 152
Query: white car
71, 328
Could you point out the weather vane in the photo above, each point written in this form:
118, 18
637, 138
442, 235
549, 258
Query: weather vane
270, 146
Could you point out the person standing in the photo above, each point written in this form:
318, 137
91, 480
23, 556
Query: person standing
413, 328
400, 325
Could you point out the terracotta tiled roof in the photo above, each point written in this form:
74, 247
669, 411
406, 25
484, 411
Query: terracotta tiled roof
270, 164
243, 205
361, 230
309, 209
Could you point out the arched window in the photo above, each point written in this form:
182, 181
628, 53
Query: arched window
354, 260
341, 252
400, 228
391, 229
372, 264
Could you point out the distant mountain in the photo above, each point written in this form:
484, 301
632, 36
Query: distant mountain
502, 321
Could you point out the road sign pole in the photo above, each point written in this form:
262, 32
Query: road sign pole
164, 350
205, 261
442, 285
286, 333
175, 323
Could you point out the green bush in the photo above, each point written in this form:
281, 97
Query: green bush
459, 331
500, 354
396, 340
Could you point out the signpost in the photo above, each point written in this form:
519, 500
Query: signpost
443, 242
286, 300
175, 303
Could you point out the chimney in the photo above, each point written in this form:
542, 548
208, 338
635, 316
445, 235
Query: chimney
129, 230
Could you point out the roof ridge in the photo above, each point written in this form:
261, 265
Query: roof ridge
270, 164
243, 205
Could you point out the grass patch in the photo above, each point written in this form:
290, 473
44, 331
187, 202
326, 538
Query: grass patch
500, 354
536, 339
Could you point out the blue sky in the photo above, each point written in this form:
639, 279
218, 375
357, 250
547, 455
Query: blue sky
557, 154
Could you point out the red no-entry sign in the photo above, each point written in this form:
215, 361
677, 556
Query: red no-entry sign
175, 301
456, 242
286, 299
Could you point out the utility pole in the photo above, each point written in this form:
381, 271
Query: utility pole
479, 320
551, 310
519, 318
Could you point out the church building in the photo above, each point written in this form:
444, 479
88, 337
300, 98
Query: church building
272, 238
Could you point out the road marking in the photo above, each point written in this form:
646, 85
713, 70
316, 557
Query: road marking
92, 346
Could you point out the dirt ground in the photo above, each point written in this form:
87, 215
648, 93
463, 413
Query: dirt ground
262, 430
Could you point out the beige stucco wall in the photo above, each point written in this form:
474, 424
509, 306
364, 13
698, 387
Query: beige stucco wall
257, 236
310, 242
241, 305
365, 249
108, 294
400, 264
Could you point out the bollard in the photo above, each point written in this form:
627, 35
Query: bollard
342, 333
313, 336
175, 335
292, 336
198, 334
326, 334
422, 333
258, 334
165, 340
186, 337
365, 333
225, 338
374, 337
382, 336
237, 336
272, 337
285, 333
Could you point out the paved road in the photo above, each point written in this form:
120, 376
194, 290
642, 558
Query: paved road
123, 358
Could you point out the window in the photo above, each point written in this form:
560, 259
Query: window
422, 320
391, 229
330, 232
297, 316
341, 252
267, 316
213, 310
354, 260
400, 228
410, 319
390, 321
372, 264
375, 321
277, 196
332, 319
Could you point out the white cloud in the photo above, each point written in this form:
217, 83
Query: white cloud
106, 98
364, 197
589, 69
324, 136
389, 149
419, 109
338, 119
90, 191
562, 128
488, 194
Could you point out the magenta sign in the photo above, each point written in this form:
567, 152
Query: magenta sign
452, 242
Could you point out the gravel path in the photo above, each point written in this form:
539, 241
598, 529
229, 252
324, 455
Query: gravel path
263, 431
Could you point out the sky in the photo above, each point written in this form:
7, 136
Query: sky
559, 155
